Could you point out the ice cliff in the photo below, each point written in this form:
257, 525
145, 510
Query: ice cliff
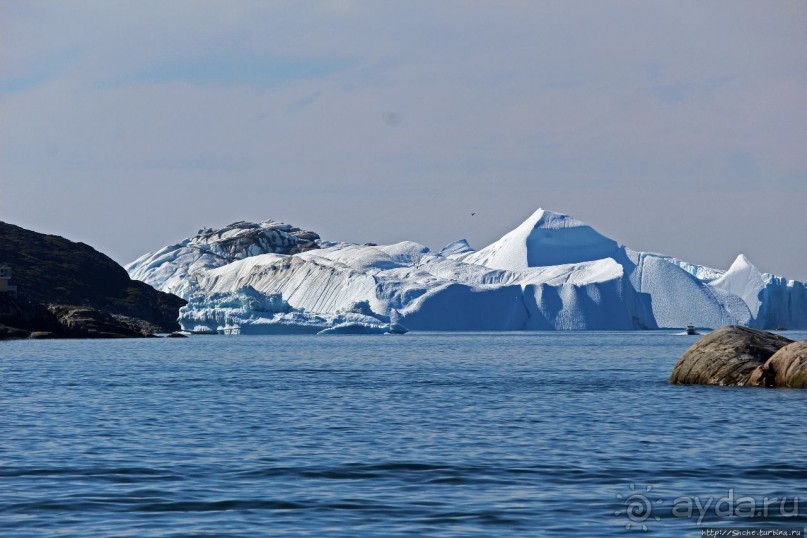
551, 272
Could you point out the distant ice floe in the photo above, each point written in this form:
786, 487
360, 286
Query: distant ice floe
552, 272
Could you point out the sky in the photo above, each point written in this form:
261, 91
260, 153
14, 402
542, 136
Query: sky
677, 127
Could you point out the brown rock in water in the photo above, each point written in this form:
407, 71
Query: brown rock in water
786, 368
726, 356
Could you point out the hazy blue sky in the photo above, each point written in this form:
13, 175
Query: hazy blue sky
678, 127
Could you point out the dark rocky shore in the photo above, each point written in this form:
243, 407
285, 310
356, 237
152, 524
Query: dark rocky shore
67, 289
739, 356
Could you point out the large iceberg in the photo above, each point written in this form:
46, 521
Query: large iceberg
552, 272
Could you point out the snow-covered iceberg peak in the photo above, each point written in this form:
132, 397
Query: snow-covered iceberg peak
545, 239
175, 268
744, 280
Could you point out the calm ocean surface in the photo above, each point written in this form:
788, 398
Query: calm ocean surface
526, 434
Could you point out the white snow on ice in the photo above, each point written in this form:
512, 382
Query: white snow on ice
552, 272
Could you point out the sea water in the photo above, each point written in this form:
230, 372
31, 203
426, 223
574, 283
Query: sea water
516, 434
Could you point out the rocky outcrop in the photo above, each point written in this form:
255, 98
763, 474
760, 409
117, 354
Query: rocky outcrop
84, 322
7, 332
736, 355
21, 316
786, 368
69, 289
42, 335
727, 356
176, 335
25, 319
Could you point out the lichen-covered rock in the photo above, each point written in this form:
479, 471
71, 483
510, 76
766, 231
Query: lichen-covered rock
726, 356
786, 368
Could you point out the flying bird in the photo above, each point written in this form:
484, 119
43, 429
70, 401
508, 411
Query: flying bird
472, 214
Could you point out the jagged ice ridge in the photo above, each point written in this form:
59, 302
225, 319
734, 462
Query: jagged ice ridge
552, 272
